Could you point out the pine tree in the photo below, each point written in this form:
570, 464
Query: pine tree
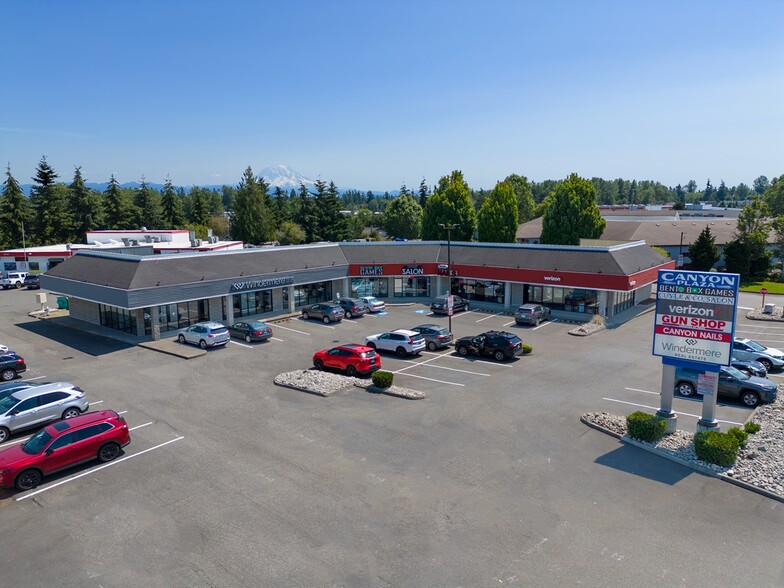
171, 206
196, 208
85, 207
572, 213
332, 225
450, 204
52, 223
118, 209
423, 193
253, 221
306, 214
703, 252
148, 207
15, 213
498, 215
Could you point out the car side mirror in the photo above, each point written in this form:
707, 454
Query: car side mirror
49, 451
13, 412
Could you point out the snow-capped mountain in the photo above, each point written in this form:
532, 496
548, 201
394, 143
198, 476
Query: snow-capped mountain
284, 177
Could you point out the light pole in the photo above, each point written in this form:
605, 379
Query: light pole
680, 252
24, 247
448, 228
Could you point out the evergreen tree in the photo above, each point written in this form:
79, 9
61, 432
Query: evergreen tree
774, 196
403, 217
760, 185
450, 204
148, 207
524, 197
15, 213
691, 187
721, 192
572, 214
332, 225
403, 190
703, 252
423, 193
748, 253
680, 194
281, 206
118, 208
85, 207
709, 190
498, 218
52, 223
197, 210
171, 207
253, 221
306, 214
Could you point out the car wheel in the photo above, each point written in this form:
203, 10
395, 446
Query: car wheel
462, 350
536, 322
348, 314
4, 434
326, 320
371, 345
247, 338
28, 480
181, 338
685, 389
499, 355
108, 452
401, 352
351, 371
18, 285
305, 315
318, 364
432, 346
766, 362
72, 412
202, 344
749, 398
7, 375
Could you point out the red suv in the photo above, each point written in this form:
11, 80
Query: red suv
64, 444
351, 358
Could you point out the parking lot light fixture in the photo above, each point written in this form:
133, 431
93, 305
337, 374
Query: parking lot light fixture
448, 228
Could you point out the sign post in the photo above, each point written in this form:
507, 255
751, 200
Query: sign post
763, 291
694, 328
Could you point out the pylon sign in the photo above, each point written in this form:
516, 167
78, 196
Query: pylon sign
695, 316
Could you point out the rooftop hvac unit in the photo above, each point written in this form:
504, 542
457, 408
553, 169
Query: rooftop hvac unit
133, 241
214, 239
195, 242
126, 241
156, 239
148, 238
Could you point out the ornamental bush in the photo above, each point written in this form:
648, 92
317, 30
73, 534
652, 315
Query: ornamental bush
527, 349
715, 447
751, 427
645, 427
382, 379
741, 436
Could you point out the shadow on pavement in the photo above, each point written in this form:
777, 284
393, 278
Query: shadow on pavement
632, 460
80, 340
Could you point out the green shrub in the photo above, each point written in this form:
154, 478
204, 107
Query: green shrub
741, 436
382, 379
715, 447
752, 427
645, 427
527, 349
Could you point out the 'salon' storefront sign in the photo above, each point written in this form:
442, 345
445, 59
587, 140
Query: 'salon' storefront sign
262, 284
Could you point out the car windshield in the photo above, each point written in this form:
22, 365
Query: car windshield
218, 330
7, 404
735, 373
756, 346
35, 444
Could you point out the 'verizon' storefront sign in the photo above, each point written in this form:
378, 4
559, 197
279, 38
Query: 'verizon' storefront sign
695, 316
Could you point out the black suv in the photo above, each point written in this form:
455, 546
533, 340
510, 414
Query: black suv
500, 345
32, 282
11, 365
439, 305
352, 307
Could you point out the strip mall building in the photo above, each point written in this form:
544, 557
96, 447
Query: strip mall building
152, 296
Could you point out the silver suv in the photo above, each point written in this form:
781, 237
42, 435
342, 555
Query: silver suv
205, 335
531, 314
36, 406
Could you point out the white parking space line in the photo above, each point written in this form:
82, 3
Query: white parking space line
746, 308
34, 378
544, 324
775, 375
508, 324
122, 412
276, 339
675, 411
326, 326
140, 426
292, 330
242, 344
431, 379
94, 403
93, 470
15, 442
777, 341
488, 317
441, 367
646, 391
505, 365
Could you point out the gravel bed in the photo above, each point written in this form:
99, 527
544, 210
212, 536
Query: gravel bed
760, 463
326, 383
759, 315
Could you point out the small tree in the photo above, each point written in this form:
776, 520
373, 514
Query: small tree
403, 217
450, 204
703, 252
572, 213
498, 215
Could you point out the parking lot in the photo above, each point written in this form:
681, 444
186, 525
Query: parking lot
232, 481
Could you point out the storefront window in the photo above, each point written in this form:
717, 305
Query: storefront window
411, 287
481, 290
312, 293
581, 300
250, 303
177, 316
623, 300
378, 287
119, 319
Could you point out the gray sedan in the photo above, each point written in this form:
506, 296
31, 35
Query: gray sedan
436, 336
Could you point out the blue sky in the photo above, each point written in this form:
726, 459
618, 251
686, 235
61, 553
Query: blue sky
374, 94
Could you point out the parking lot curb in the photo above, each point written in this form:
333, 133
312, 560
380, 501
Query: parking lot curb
693, 466
301, 389
173, 348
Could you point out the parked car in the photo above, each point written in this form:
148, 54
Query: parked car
351, 358
352, 307
500, 345
64, 444
401, 342
32, 282
374, 304
207, 334
531, 314
10, 387
251, 331
767, 356
326, 311
436, 336
439, 304
13, 280
3, 349
33, 407
11, 365
733, 383
749, 367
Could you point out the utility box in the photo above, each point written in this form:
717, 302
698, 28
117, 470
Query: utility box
40, 298
769, 308
62, 302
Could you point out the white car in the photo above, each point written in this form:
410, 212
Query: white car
373, 303
3, 349
13, 280
751, 350
402, 342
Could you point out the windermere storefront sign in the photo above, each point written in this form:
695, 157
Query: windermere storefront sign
262, 284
